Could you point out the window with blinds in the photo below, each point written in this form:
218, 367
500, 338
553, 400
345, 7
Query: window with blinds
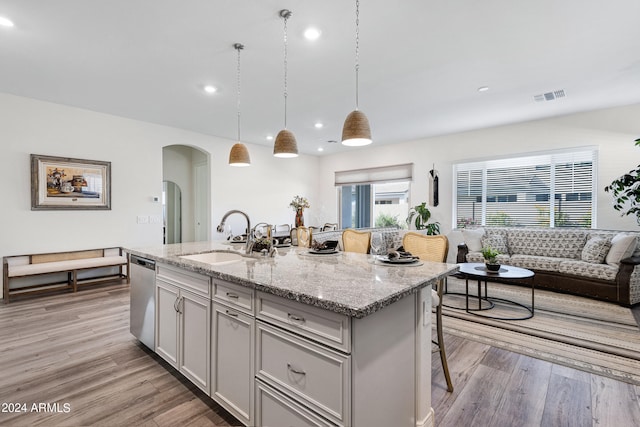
374, 197
544, 190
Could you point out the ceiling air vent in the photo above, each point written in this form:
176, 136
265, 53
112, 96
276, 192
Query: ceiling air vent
550, 96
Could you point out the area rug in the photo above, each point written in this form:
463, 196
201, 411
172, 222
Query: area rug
593, 336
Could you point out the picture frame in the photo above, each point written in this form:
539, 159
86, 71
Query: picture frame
64, 183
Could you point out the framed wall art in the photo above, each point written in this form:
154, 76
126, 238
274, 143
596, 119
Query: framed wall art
61, 183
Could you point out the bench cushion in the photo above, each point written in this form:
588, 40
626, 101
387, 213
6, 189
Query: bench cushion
69, 265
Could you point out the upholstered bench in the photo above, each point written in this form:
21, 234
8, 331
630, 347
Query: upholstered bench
36, 273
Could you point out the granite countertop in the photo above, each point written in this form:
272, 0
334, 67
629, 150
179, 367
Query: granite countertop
348, 283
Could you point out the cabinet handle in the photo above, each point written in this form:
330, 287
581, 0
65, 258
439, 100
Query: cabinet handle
296, 318
175, 304
295, 371
180, 305
231, 295
231, 314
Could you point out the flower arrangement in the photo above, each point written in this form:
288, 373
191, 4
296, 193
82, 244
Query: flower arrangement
299, 203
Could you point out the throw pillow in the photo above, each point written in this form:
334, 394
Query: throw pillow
496, 241
595, 250
622, 246
473, 238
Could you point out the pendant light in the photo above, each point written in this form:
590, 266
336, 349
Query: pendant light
239, 155
356, 130
285, 145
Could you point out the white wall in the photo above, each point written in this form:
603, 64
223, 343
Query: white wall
613, 131
134, 149
263, 190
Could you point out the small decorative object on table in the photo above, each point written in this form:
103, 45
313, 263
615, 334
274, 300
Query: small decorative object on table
328, 246
490, 260
299, 204
261, 244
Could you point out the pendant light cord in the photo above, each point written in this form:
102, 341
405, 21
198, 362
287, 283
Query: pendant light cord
286, 15
238, 47
357, 48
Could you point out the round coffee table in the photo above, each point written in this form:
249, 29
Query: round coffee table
478, 271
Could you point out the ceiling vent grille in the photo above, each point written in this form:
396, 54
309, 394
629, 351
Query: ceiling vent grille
550, 96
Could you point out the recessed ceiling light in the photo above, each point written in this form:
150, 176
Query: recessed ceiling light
311, 33
269, 137
483, 88
320, 149
5, 22
210, 89
318, 125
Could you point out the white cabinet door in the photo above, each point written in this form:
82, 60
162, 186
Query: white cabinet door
232, 364
167, 322
195, 317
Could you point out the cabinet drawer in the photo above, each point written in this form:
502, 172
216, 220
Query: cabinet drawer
320, 325
313, 374
275, 409
234, 295
194, 282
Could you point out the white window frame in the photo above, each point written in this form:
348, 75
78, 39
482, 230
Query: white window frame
553, 157
372, 176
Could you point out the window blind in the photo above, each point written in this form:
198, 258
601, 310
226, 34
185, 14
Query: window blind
550, 190
393, 173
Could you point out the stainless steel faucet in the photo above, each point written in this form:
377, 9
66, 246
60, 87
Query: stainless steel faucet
248, 231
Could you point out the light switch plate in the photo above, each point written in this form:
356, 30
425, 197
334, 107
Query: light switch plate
143, 219
155, 219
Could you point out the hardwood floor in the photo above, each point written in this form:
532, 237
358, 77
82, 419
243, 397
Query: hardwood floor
636, 313
74, 352
495, 387
76, 349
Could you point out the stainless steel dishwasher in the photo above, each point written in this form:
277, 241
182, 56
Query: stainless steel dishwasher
143, 301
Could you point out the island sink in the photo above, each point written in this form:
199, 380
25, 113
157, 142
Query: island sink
215, 258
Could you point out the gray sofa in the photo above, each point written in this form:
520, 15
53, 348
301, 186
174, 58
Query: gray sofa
599, 264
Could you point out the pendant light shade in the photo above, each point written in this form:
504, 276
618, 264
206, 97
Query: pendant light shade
285, 144
239, 155
356, 130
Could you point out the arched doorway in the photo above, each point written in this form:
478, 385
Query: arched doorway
188, 168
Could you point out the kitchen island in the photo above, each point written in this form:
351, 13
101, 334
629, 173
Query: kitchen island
300, 339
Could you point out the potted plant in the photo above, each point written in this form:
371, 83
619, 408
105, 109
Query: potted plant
422, 214
490, 256
626, 192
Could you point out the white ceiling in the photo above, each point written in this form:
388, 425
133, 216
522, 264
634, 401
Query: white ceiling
421, 62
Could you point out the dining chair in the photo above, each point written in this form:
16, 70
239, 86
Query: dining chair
262, 229
356, 241
315, 229
304, 236
330, 226
282, 229
433, 248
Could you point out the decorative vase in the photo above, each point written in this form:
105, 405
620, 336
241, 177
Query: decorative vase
299, 218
